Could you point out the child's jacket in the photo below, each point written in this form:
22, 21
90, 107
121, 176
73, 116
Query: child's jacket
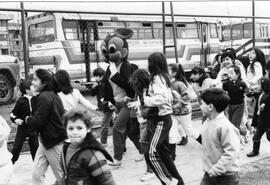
88, 165
262, 120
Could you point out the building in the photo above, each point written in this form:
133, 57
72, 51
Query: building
4, 36
15, 40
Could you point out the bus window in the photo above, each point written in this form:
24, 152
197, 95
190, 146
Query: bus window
264, 30
41, 32
237, 31
70, 29
248, 30
157, 30
141, 30
187, 31
105, 28
213, 31
226, 33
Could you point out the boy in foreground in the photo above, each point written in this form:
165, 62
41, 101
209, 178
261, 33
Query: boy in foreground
220, 140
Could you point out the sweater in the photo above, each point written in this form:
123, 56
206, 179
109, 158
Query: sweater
160, 95
220, 146
47, 119
24, 106
236, 91
72, 100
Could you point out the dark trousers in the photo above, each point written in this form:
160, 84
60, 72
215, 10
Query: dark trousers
173, 150
220, 180
236, 113
107, 117
124, 126
159, 156
259, 133
21, 135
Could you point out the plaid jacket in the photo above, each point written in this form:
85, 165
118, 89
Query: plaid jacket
88, 165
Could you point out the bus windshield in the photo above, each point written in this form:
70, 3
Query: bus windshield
41, 32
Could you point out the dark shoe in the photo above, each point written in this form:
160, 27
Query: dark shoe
252, 154
184, 141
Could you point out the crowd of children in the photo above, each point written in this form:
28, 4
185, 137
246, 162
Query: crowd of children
155, 104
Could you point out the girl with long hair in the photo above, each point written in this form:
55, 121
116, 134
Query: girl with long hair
158, 155
70, 96
181, 117
47, 120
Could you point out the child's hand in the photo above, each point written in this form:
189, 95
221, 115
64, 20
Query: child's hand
133, 104
212, 173
18, 121
95, 84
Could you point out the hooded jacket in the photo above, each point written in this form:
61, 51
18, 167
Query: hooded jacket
87, 166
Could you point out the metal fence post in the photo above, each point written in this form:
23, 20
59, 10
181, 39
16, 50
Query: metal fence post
24, 39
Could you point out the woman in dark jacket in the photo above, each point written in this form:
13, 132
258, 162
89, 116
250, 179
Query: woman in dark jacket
47, 120
261, 117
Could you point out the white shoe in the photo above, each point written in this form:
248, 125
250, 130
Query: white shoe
147, 176
139, 158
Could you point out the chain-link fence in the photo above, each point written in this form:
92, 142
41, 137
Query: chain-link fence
71, 40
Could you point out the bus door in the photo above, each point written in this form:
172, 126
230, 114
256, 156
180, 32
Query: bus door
88, 45
205, 49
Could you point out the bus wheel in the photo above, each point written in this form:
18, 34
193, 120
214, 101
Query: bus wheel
6, 90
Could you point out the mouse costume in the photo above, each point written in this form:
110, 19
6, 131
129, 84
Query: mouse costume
117, 88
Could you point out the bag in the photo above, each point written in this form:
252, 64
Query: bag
192, 94
178, 105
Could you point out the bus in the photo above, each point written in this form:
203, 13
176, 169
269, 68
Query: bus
72, 41
240, 37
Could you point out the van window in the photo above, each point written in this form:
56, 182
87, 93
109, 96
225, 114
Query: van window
106, 28
70, 29
237, 31
142, 30
42, 32
226, 33
187, 31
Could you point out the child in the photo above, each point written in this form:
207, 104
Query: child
84, 158
24, 107
220, 140
261, 117
236, 89
6, 167
140, 81
106, 106
158, 155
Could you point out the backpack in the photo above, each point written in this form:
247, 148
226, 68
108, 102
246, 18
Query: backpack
178, 105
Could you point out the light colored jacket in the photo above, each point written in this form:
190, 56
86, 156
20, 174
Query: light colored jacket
253, 78
160, 95
72, 100
221, 146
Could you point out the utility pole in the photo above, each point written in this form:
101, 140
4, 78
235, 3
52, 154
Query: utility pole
24, 39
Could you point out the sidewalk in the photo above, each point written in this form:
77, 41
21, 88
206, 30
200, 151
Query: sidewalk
188, 163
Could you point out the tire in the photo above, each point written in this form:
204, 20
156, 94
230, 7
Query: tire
6, 90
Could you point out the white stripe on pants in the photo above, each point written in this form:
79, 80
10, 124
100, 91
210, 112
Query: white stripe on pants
152, 154
43, 159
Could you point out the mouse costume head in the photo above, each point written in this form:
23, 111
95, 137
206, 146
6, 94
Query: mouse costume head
115, 47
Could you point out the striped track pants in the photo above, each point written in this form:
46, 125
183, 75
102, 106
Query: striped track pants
159, 156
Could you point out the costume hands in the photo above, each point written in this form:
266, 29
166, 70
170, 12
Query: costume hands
18, 121
134, 104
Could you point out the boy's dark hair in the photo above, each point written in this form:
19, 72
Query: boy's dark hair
216, 96
228, 53
199, 70
48, 79
78, 114
236, 70
99, 72
24, 85
265, 85
63, 81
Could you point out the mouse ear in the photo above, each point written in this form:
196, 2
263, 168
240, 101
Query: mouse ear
124, 33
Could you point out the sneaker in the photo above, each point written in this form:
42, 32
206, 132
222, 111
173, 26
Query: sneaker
116, 163
252, 154
139, 158
147, 176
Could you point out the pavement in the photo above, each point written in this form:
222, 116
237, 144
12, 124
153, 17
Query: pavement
254, 171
